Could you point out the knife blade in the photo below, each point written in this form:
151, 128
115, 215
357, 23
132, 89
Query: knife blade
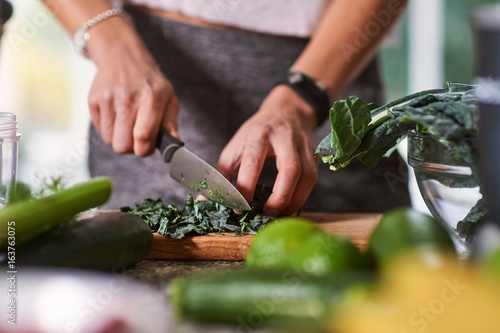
194, 173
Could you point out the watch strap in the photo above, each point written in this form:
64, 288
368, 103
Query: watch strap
312, 91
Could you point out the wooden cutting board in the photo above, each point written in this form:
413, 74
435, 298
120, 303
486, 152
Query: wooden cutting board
356, 227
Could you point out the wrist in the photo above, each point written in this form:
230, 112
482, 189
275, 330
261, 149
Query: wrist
81, 36
293, 106
312, 91
111, 37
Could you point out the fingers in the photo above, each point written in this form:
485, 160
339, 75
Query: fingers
146, 126
128, 117
229, 162
94, 113
307, 179
124, 107
158, 105
297, 169
100, 108
107, 119
255, 151
289, 171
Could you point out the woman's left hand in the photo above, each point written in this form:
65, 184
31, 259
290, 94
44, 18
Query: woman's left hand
282, 128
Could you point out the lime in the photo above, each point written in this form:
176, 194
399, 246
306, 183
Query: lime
274, 245
322, 253
406, 230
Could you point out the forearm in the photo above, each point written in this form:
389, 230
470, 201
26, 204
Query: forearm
345, 40
73, 14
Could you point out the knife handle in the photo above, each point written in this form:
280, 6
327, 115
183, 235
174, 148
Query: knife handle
167, 144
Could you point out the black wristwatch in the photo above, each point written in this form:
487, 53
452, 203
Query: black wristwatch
312, 91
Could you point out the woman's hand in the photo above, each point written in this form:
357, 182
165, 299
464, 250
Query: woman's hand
283, 127
130, 98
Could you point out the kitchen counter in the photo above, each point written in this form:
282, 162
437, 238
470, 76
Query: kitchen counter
159, 273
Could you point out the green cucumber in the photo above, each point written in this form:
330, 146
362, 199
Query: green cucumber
27, 219
102, 242
255, 298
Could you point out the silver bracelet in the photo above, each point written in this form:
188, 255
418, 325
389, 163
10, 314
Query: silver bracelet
82, 36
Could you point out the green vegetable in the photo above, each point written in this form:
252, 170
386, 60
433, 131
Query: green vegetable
300, 245
275, 245
448, 117
103, 242
491, 264
47, 186
50, 185
362, 131
20, 192
199, 218
349, 121
323, 253
33, 217
404, 230
256, 298
473, 221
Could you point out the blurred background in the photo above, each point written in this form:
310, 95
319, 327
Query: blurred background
46, 83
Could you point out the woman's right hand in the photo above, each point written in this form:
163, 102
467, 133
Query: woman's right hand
130, 97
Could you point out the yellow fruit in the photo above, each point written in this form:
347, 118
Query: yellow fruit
421, 295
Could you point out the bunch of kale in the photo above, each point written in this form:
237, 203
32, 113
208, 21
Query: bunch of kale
447, 117
369, 132
201, 217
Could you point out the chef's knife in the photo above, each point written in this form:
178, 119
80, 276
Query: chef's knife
196, 174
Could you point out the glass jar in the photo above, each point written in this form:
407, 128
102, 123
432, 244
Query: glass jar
450, 188
9, 138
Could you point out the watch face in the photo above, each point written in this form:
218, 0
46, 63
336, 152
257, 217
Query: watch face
295, 78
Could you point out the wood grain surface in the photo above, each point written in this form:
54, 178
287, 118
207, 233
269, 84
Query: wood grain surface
356, 227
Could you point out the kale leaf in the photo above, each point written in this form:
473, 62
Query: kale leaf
469, 226
448, 117
369, 133
201, 217
349, 120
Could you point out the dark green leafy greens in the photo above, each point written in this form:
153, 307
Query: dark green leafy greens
199, 218
447, 123
469, 226
368, 133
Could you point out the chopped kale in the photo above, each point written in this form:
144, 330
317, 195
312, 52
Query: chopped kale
201, 217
